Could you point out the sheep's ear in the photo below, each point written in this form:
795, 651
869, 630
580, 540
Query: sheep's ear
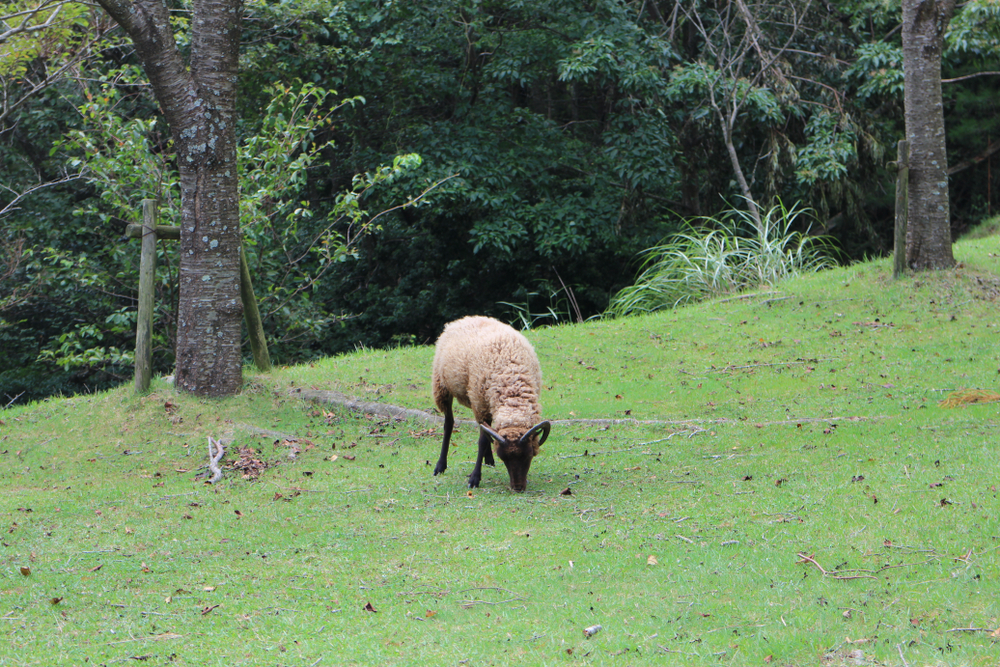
544, 426
493, 434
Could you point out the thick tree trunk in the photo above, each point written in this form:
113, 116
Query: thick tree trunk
928, 233
209, 360
210, 313
199, 103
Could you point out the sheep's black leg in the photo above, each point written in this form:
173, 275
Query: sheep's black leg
477, 472
486, 448
449, 424
484, 454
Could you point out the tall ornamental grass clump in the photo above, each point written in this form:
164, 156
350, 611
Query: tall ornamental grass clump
737, 252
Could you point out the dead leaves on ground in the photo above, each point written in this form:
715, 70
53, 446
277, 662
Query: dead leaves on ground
248, 464
965, 397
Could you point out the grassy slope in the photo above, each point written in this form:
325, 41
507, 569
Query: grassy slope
803, 421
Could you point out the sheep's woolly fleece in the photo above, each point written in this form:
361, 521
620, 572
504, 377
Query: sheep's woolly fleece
490, 368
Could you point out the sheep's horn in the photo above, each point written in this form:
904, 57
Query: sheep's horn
493, 434
544, 426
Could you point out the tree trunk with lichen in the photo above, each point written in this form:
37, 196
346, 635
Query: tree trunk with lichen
928, 232
198, 99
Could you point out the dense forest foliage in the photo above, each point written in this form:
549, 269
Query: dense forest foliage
403, 164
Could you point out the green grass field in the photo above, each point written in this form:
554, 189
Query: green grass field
789, 491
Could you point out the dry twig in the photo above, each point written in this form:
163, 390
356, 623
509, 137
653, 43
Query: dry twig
969, 629
809, 559
214, 457
466, 604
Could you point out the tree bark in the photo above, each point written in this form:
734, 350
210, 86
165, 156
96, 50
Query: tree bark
928, 234
198, 100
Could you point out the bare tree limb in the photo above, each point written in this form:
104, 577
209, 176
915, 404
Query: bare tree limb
965, 164
12, 205
730, 42
80, 53
809, 559
24, 27
215, 453
970, 76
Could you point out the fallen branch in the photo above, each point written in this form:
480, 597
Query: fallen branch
584, 513
399, 413
749, 296
780, 363
11, 402
213, 459
899, 647
487, 588
370, 407
466, 604
826, 573
633, 422
971, 629
155, 638
436, 593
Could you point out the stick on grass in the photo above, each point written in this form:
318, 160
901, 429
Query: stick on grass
213, 459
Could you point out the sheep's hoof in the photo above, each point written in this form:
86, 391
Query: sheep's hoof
438, 469
473, 482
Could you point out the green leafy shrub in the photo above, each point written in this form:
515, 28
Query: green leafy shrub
734, 255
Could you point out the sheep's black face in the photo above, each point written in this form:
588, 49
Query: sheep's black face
517, 457
516, 449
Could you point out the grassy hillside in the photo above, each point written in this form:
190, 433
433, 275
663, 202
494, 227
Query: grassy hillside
792, 492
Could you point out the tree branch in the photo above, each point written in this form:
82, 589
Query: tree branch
970, 76
18, 196
82, 54
147, 23
971, 162
23, 27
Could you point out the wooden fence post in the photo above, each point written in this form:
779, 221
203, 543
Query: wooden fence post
902, 203
255, 327
147, 287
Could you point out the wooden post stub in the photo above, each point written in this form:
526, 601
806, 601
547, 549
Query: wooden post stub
144, 319
255, 327
902, 203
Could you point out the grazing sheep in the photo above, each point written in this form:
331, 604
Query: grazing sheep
493, 370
